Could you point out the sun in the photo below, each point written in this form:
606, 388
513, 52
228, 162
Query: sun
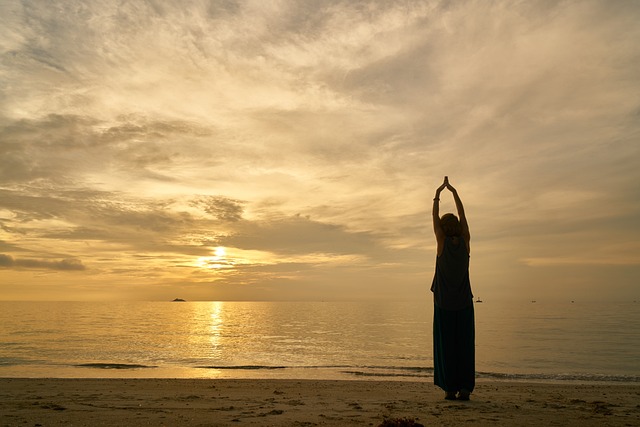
217, 261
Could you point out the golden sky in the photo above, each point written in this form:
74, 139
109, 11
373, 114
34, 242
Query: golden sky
289, 150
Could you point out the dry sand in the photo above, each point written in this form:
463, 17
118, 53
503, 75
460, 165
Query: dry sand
201, 402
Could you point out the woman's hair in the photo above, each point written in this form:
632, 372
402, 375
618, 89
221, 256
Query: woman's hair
450, 225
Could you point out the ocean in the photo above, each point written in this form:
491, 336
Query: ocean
312, 340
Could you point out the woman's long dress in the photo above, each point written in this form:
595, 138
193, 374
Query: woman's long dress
453, 319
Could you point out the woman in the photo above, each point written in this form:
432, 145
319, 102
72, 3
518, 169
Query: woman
453, 318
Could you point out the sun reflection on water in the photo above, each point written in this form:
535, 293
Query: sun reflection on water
215, 328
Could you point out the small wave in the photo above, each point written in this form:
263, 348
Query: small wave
386, 374
426, 372
560, 377
356, 370
243, 367
400, 368
391, 371
269, 367
113, 366
17, 361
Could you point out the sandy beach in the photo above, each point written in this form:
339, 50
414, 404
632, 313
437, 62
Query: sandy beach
201, 402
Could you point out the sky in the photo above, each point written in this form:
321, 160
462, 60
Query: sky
290, 150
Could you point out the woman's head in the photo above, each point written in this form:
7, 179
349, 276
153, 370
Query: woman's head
450, 225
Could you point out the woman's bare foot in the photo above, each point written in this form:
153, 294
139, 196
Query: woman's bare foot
463, 395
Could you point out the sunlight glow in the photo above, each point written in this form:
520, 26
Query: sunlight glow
218, 261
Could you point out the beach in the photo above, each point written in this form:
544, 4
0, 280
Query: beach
231, 402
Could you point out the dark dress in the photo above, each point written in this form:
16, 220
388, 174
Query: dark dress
453, 319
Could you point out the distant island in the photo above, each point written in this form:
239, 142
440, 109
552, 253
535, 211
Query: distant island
179, 300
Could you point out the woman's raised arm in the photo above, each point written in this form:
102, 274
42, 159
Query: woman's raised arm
435, 211
461, 215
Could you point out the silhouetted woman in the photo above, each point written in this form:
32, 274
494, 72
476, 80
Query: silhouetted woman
453, 318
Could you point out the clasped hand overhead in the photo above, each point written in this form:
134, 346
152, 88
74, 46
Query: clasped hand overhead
446, 185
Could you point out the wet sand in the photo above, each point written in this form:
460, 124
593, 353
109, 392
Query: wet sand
202, 402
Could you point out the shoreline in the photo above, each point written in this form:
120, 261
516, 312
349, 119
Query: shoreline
289, 402
104, 370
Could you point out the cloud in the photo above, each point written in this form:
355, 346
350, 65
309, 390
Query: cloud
561, 261
69, 264
298, 235
222, 208
139, 136
72, 147
168, 226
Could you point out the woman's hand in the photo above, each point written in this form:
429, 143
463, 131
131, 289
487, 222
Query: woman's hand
449, 186
443, 186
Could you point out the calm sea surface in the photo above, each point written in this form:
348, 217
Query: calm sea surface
326, 340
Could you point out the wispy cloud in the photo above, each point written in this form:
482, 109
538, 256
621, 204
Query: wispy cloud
8, 261
542, 262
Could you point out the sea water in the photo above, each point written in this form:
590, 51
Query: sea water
320, 340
